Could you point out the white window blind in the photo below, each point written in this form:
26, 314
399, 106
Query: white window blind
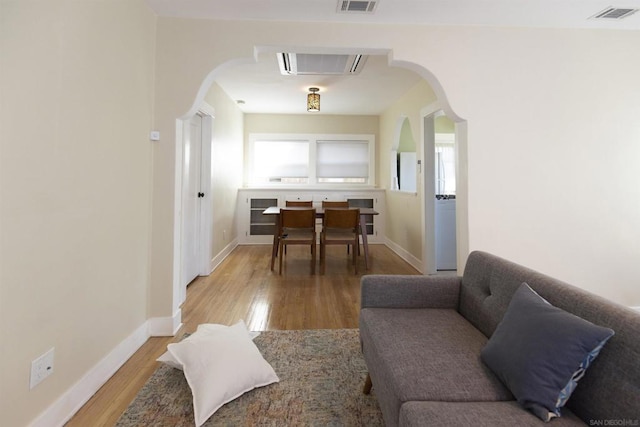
310, 159
278, 161
342, 159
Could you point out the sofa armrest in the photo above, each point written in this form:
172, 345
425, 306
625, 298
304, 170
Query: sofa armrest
400, 291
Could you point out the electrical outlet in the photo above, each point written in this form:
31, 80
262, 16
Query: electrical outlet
41, 368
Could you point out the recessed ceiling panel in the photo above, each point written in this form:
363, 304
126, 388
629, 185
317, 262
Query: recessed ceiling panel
357, 6
319, 64
615, 13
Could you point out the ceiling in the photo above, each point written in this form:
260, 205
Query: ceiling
262, 88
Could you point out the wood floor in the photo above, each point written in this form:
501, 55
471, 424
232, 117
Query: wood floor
243, 287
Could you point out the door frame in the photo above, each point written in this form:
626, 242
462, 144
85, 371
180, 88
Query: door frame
428, 211
206, 206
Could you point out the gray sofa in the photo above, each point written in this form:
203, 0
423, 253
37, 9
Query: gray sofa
422, 338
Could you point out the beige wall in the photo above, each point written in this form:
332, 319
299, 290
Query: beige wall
87, 237
444, 125
226, 167
305, 123
406, 142
403, 224
77, 99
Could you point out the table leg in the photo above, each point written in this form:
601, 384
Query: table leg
274, 249
363, 232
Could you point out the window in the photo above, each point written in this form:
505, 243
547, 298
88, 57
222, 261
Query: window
342, 161
280, 161
310, 159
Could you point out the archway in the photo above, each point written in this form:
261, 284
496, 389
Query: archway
427, 209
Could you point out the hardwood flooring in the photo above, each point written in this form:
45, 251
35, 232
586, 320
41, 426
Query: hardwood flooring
244, 287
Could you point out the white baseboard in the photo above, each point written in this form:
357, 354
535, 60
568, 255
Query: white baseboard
74, 398
165, 326
217, 260
402, 253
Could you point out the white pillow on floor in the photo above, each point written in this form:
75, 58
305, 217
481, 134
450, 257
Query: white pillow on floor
220, 366
203, 329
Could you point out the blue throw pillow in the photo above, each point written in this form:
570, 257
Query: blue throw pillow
540, 352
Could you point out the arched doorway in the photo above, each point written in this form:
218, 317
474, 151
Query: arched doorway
427, 209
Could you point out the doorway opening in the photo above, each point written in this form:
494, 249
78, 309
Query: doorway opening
445, 193
444, 147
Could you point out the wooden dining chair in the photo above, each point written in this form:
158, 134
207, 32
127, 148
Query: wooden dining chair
297, 227
299, 203
339, 227
332, 204
338, 204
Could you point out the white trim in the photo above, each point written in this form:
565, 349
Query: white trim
75, 397
636, 308
217, 260
404, 254
207, 109
206, 207
165, 326
179, 291
177, 219
428, 209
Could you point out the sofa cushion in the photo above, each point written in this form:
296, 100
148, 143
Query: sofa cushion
425, 354
540, 352
488, 285
477, 414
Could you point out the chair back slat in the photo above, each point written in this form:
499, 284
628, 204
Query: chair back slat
341, 218
299, 204
298, 218
332, 204
340, 226
297, 227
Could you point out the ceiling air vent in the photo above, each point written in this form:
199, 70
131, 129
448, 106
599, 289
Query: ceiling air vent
296, 64
614, 13
357, 6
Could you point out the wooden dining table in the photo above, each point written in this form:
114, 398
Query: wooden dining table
364, 212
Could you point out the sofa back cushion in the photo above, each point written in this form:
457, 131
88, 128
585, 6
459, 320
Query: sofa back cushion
611, 387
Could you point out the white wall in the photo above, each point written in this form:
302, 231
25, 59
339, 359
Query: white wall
77, 95
554, 150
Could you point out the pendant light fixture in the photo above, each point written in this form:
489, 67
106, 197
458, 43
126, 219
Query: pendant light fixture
313, 100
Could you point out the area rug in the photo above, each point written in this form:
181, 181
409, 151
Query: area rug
321, 377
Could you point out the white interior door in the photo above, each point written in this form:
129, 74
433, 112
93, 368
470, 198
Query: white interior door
191, 199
